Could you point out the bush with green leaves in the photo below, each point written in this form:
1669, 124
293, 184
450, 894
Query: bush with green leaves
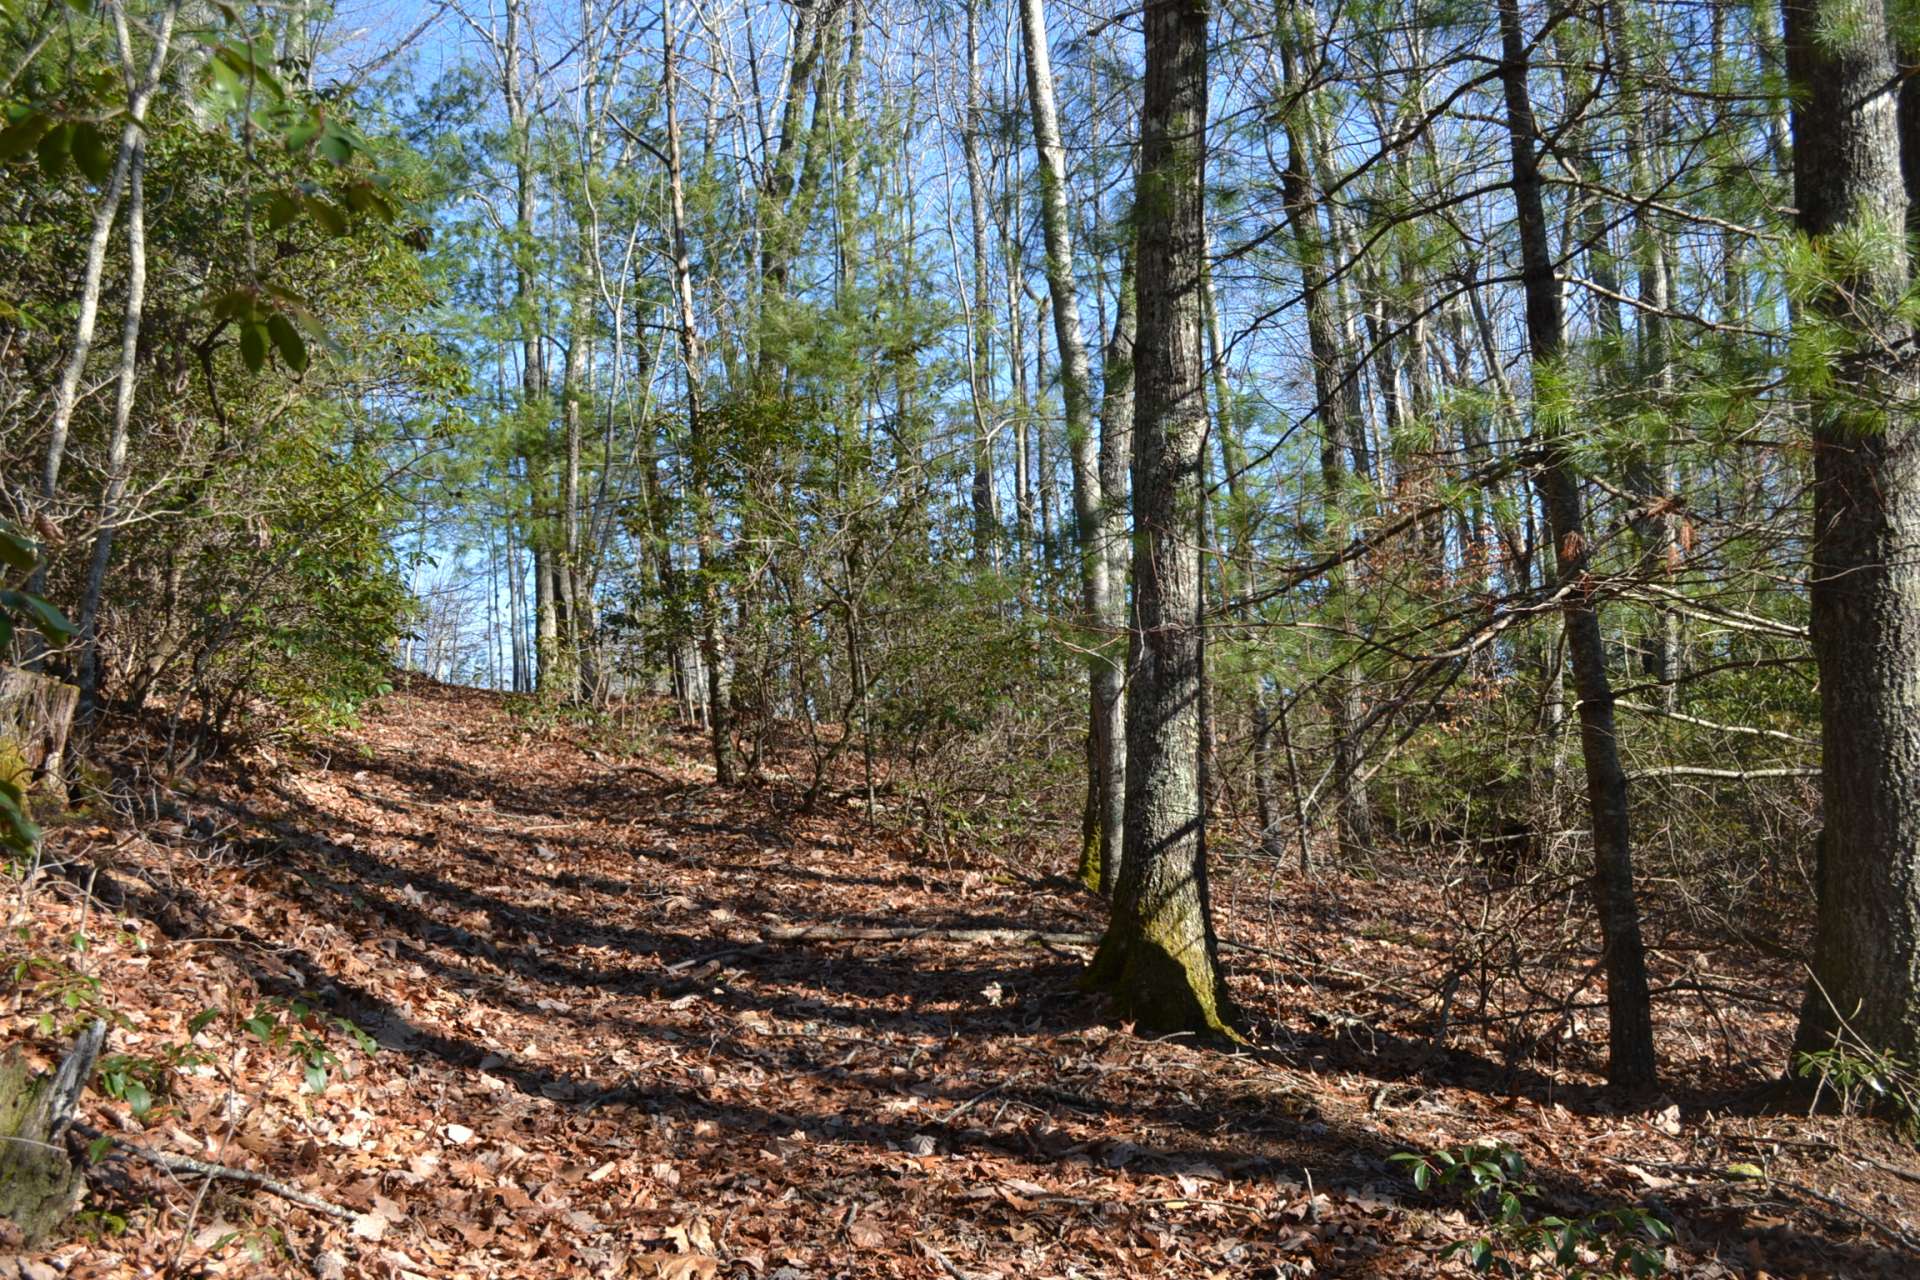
299, 1028
1864, 1079
1490, 1181
233, 556
19, 833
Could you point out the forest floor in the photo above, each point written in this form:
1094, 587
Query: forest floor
593, 1046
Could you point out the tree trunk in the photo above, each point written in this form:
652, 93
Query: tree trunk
1630, 1056
116, 486
1650, 471
1865, 988
36, 714
979, 353
1159, 958
713, 650
516, 615
533, 379
1342, 436
1107, 776
1076, 395
777, 234
568, 559
106, 210
39, 1185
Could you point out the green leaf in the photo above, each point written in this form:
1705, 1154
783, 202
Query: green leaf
336, 147
55, 149
332, 219
1744, 1170
362, 197
16, 828
17, 550
91, 152
301, 132
23, 136
281, 210
43, 615
253, 345
201, 1021
241, 58
287, 340
226, 79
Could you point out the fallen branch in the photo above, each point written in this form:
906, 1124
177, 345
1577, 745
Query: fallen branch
713, 957
1836, 1208
1884, 1167
1846, 1211
206, 1169
877, 933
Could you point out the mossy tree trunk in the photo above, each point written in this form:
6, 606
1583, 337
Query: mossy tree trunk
39, 1184
36, 715
1159, 959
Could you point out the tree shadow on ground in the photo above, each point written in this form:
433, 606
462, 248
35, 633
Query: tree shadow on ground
1241, 1129
872, 998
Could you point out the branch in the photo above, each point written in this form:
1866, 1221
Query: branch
187, 1164
1737, 775
1665, 714
835, 933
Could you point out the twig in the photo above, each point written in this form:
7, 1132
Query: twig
946, 1263
1840, 1207
1156, 1202
973, 1102
1845, 1209
695, 962
187, 1164
833, 933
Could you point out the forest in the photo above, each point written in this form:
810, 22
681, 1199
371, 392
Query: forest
959, 638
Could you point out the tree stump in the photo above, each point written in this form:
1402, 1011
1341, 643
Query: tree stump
40, 1185
36, 713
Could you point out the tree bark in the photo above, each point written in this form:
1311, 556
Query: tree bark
713, 646
1100, 860
132, 138
116, 486
1076, 395
1630, 1054
1159, 958
1337, 392
1865, 987
39, 1185
979, 353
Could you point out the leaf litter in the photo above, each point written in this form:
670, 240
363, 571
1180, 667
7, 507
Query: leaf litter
620, 1023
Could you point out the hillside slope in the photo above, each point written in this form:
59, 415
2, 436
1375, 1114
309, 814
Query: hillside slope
591, 1034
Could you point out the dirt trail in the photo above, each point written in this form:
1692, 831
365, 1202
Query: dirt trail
592, 1062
